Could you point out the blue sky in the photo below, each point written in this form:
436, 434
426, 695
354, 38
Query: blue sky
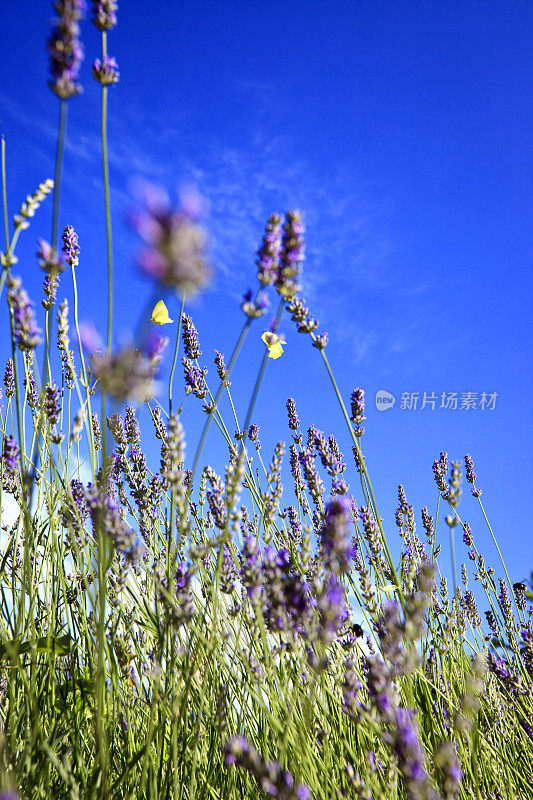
402, 129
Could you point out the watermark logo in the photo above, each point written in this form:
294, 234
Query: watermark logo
384, 400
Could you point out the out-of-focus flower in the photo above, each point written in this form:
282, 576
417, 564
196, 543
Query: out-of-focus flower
254, 308
269, 252
66, 51
27, 332
49, 259
292, 255
273, 780
105, 14
273, 342
10, 456
176, 244
155, 349
90, 338
126, 374
160, 314
105, 71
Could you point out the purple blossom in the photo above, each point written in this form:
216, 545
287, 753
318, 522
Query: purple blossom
333, 611
105, 71
155, 349
251, 568
66, 52
10, 456
27, 333
126, 374
292, 255
191, 342
269, 252
176, 244
71, 248
408, 749
9, 378
107, 515
335, 534
358, 410
255, 308
52, 403
194, 379
273, 780
49, 259
104, 14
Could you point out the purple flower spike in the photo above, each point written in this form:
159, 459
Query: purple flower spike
27, 333
66, 52
176, 244
269, 252
336, 535
105, 14
106, 71
292, 255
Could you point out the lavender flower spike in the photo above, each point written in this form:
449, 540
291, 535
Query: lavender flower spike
176, 244
66, 52
106, 71
292, 255
105, 14
269, 252
71, 248
27, 333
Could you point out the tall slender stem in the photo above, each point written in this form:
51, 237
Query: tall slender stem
261, 372
57, 171
171, 379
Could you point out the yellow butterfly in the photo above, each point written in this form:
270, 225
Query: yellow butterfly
160, 314
273, 343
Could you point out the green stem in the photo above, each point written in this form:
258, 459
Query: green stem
57, 170
105, 171
261, 372
171, 379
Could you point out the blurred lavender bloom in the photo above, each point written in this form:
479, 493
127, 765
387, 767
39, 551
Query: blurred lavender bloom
49, 259
52, 403
273, 780
105, 71
292, 255
176, 251
251, 568
66, 51
335, 534
179, 605
107, 515
409, 751
155, 349
27, 332
333, 611
126, 374
254, 308
269, 252
105, 14
90, 338
10, 456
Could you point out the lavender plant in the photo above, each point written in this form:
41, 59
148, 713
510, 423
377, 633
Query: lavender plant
170, 630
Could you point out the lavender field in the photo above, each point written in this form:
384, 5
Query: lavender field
176, 627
